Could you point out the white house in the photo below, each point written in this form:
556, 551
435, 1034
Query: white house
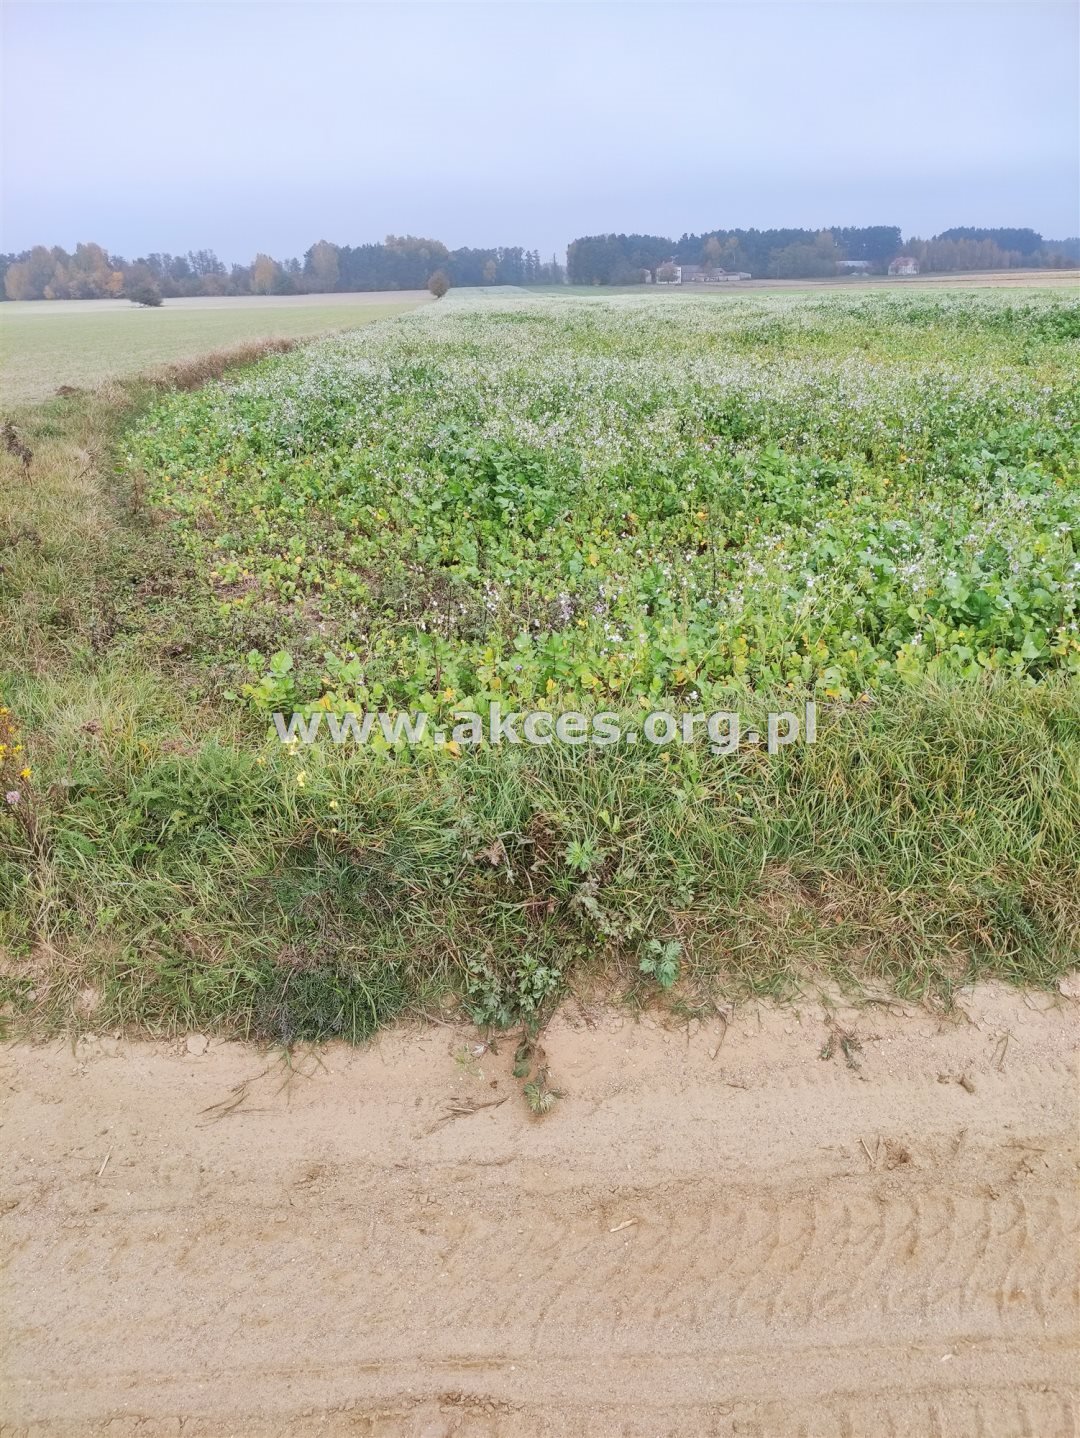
904, 265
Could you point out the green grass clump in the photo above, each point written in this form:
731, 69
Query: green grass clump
200, 878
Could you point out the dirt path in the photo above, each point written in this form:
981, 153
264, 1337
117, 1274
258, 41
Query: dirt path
714, 1233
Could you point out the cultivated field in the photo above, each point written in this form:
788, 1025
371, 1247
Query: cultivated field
1066, 280
640, 498
46, 344
607, 505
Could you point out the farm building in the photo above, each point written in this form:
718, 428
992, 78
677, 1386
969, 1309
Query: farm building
698, 275
854, 267
904, 265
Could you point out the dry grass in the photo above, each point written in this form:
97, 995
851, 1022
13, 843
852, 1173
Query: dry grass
193, 373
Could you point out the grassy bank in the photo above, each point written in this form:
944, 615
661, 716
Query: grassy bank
167, 866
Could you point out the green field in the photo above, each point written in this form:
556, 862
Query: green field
45, 344
645, 498
612, 504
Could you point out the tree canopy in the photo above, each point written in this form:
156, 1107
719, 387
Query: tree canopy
400, 262
801, 253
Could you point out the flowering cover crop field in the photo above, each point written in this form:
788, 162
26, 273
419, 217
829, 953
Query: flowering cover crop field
608, 504
549, 501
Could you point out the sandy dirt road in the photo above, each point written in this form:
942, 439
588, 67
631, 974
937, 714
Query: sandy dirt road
716, 1232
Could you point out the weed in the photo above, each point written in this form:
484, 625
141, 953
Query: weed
15, 446
848, 1043
539, 1094
662, 962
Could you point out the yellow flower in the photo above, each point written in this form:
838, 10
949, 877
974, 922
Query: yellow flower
301, 778
449, 695
333, 803
24, 773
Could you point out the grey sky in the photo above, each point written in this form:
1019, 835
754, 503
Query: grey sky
171, 126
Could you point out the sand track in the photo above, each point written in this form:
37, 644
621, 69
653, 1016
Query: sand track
716, 1232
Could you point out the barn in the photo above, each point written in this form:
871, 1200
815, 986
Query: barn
699, 275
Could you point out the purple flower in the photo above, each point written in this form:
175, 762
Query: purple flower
12, 796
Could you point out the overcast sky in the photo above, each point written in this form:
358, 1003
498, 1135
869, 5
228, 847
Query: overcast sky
240, 126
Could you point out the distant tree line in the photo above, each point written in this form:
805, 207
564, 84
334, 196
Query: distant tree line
400, 262
809, 254
972, 249
406, 262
